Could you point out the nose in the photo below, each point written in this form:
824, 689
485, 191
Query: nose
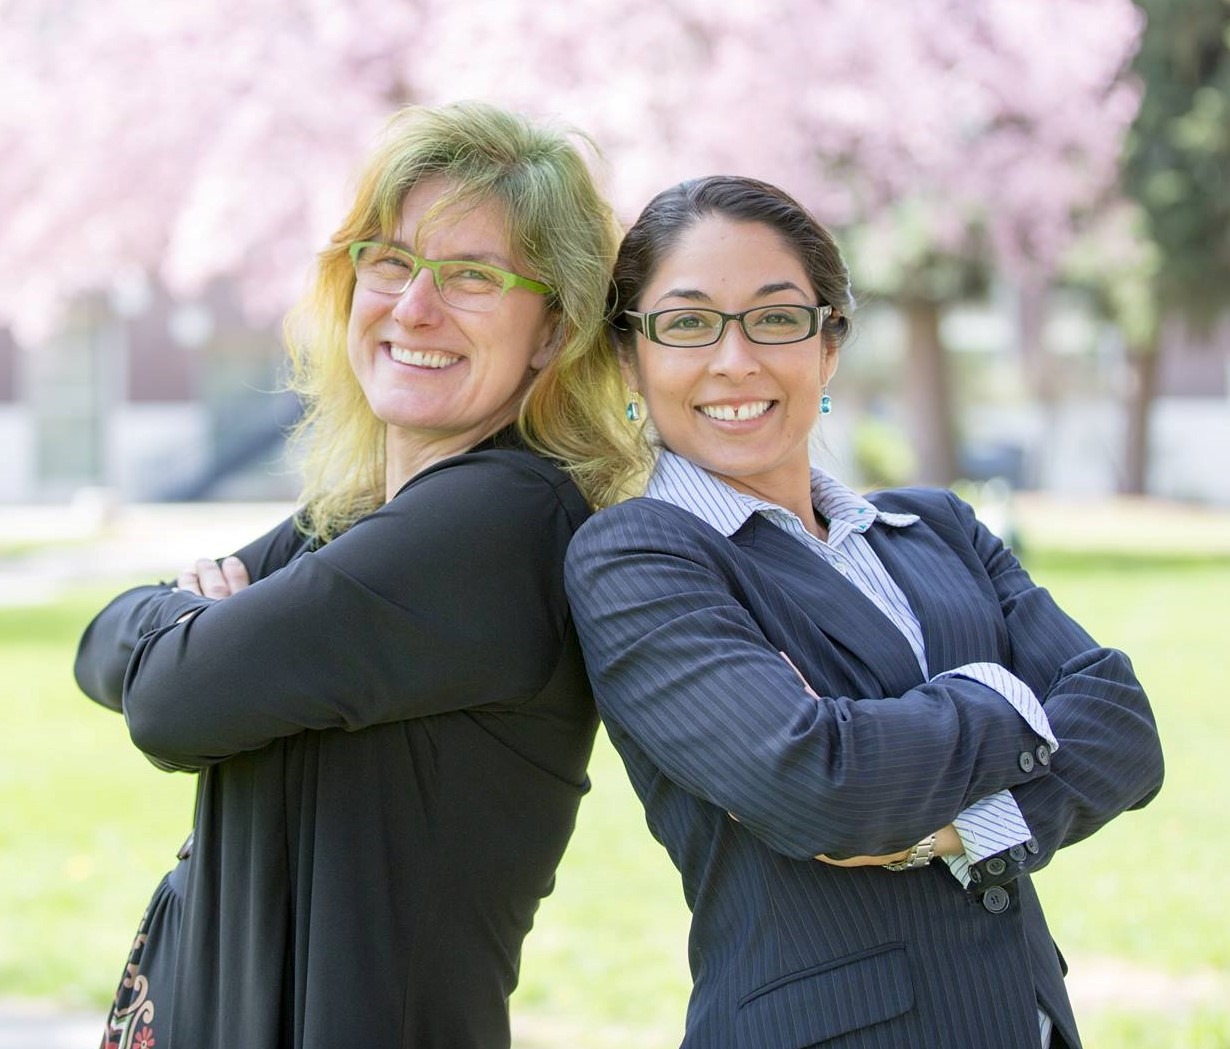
420, 302
734, 354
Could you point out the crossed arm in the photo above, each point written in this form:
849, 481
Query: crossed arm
377, 626
685, 674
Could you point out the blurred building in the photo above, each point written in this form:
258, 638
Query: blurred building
1070, 436
149, 399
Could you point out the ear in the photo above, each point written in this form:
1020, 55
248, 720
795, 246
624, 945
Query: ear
828, 366
627, 370
553, 336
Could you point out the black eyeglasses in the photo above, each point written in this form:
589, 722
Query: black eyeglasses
770, 325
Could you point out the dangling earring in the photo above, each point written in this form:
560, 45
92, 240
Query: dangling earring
826, 402
633, 410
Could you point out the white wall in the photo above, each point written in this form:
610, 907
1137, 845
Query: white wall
154, 447
1078, 447
1191, 451
16, 453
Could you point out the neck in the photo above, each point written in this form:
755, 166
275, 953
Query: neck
796, 497
407, 455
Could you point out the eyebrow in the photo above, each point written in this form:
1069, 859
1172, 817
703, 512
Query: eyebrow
489, 257
696, 295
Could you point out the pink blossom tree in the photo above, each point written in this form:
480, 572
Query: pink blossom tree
199, 141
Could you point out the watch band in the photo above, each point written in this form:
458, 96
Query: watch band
918, 856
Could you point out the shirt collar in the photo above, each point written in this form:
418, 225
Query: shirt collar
681, 482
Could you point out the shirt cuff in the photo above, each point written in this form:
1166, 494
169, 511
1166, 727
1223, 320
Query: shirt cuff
989, 826
1014, 690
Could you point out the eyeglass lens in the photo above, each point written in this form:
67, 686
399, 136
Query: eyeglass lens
466, 285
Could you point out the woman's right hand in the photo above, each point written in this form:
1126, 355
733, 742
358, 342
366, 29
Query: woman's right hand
208, 578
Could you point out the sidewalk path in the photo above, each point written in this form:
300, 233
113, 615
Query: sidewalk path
46, 549
40, 1025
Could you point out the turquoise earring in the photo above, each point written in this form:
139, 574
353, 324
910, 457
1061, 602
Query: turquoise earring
826, 402
633, 410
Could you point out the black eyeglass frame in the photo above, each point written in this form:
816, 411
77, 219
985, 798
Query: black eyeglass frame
647, 323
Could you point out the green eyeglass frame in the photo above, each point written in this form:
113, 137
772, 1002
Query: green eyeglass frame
417, 263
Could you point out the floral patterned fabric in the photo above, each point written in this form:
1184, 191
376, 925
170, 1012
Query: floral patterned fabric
141, 1011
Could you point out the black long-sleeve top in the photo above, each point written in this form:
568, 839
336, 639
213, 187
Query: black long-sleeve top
392, 732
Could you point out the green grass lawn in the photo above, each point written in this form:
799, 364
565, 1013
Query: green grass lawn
89, 826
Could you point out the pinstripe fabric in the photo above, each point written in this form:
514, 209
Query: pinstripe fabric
992, 824
683, 629
988, 826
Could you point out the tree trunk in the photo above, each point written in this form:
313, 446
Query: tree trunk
1031, 311
928, 394
1143, 361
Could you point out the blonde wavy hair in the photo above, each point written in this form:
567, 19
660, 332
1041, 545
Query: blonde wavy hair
559, 226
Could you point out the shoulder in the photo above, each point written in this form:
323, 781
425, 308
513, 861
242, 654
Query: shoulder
945, 517
520, 466
647, 524
940, 508
648, 514
505, 483
926, 502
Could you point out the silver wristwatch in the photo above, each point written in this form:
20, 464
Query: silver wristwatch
918, 856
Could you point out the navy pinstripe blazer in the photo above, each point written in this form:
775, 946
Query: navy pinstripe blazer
683, 630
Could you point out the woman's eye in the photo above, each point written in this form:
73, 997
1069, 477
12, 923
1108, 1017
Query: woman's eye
387, 262
473, 276
688, 322
778, 319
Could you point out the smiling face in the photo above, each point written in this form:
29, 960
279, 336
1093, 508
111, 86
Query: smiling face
739, 409
441, 378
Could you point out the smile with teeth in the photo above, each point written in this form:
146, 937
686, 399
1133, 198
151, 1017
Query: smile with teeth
421, 358
736, 413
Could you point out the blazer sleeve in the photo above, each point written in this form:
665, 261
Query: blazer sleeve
684, 673
1109, 757
108, 642
448, 597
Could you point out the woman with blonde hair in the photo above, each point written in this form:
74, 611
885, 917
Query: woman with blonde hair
384, 697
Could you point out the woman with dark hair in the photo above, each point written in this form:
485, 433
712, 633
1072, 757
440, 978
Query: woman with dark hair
856, 724
384, 697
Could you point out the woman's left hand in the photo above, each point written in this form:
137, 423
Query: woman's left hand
947, 843
209, 578
866, 861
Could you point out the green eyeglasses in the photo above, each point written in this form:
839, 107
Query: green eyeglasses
770, 325
467, 285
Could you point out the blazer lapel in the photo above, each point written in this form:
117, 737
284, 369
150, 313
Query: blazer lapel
836, 606
941, 591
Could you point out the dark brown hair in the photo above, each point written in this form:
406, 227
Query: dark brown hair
674, 210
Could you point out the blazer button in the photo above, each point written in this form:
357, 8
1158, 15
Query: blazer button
975, 875
1017, 852
1026, 761
1044, 754
1032, 846
995, 866
995, 900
